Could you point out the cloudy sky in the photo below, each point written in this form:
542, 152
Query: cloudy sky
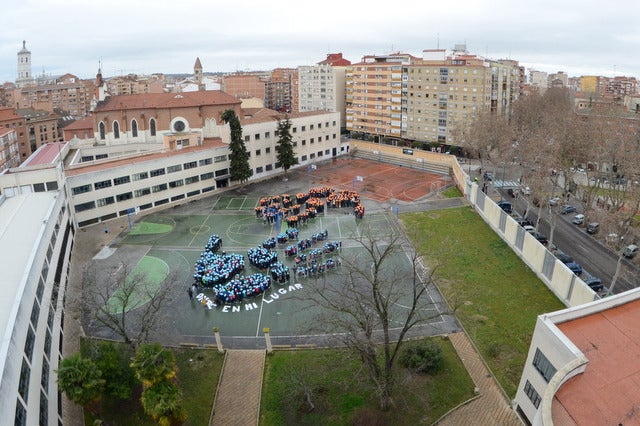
142, 36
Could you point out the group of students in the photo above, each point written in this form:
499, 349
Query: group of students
241, 288
261, 257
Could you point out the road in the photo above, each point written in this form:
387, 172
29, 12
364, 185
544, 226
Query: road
594, 257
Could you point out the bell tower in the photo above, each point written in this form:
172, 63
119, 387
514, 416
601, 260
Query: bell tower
25, 77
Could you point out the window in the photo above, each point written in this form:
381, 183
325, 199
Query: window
191, 179
23, 384
257, 152
44, 378
52, 186
304, 142
294, 130
190, 165
105, 201
47, 342
269, 167
259, 170
121, 180
205, 162
102, 131
152, 127
256, 136
311, 127
44, 408
532, 394
247, 138
267, 135
35, 313
544, 367
157, 172
124, 196
38, 187
102, 184
179, 126
140, 176
134, 128
173, 169
220, 158
267, 150
116, 130
158, 188
81, 189
176, 183
142, 192
85, 206
304, 128
206, 176
222, 172
311, 140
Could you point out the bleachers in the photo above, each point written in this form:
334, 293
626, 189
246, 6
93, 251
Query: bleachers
404, 161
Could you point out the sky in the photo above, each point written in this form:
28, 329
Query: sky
166, 36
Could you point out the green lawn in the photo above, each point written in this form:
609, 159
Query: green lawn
341, 394
452, 192
494, 295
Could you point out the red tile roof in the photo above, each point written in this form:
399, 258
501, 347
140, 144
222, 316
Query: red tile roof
46, 154
167, 100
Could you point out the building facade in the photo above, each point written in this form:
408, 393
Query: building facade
280, 90
322, 86
9, 153
244, 85
25, 77
66, 93
373, 95
41, 127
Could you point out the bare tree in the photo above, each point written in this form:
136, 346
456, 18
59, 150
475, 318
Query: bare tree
374, 303
123, 301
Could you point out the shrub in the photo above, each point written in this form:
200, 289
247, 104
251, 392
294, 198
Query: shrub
423, 356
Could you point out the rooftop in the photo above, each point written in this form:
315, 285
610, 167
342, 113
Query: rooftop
22, 221
47, 154
166, 100
607, 392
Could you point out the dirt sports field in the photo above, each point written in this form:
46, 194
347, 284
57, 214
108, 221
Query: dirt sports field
175, 238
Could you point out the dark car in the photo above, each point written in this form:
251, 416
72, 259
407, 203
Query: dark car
564, 257
512, 192
593, 227
488, 175
567, 209
575, 267
595, 283
540, 237
506, 206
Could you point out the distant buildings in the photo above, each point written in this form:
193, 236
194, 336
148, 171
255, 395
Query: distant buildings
9, 156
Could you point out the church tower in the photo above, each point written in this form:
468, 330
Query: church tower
197, 74
25, 77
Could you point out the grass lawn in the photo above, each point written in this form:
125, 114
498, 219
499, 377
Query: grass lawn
452, 192
341, 394
494, 294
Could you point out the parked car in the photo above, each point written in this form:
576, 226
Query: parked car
630, 251
593, 227
578, 219
575, 267
554, 201
594, 282
524, 222
525, 190
529, 228
540, 237
564, 257
488, 175
506, 206
567, 208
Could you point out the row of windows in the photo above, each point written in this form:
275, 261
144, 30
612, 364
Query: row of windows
146, 191
267, 135
81, 189
115, 127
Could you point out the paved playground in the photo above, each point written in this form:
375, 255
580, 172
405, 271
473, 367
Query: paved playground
172, 240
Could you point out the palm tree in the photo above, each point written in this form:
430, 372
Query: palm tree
80, 380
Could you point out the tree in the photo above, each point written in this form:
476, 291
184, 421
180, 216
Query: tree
286, 157
113, 361
156, 369
239, 168
80, 379
372, 305
125, 301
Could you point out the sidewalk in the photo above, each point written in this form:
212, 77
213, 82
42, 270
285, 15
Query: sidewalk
238, 397
491, 407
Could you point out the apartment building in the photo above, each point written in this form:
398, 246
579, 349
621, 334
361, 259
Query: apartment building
322, 86
280, 90
446, 89
132, 84
373, 95
66, 93
41, 127
10, 120
244, 85
9, 156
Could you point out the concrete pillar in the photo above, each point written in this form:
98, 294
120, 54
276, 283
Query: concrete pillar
267, 339
216, 335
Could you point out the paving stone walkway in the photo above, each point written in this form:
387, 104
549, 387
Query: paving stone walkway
491, 408
238, 399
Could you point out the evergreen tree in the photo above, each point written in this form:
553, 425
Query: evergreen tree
80, 379
284, 148
239, 156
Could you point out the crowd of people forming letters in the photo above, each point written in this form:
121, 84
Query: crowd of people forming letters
221, 272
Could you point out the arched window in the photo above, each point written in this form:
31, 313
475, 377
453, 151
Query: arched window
134, 128
101, 129
116, 130
152, 127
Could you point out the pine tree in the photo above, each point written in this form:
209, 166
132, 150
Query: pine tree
284, 148
239, 156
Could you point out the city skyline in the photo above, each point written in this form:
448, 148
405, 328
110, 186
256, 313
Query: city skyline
579, 38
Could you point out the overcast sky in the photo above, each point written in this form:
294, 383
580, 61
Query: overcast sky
142, 36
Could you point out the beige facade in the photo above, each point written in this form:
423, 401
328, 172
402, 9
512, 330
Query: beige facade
67, 93
9, 156
374, 95
322, 87
41, 128
242, 86
134, 84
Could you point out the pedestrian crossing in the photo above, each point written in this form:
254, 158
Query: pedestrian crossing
498, 183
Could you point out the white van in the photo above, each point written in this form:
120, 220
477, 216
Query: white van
630, 251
